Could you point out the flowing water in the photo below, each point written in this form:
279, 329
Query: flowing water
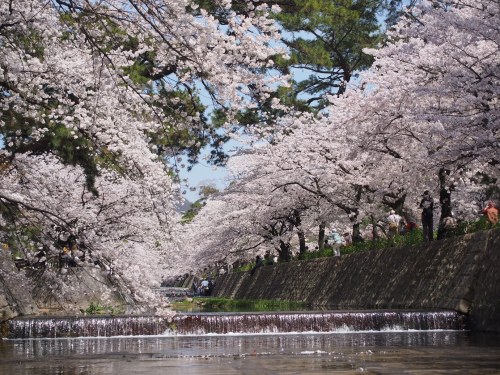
397, 343
223, 323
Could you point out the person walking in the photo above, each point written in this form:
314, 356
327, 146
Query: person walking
427, 206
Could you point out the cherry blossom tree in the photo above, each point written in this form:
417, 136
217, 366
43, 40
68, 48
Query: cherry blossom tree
119, 231
424, 117
94, 95
436, 91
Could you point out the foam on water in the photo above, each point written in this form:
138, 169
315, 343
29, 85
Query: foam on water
235, 324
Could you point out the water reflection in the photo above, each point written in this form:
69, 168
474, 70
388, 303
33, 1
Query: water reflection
224, 345
375, 353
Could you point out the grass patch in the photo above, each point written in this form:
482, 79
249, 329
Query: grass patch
409, 239
96, 308
212, 304
327, 252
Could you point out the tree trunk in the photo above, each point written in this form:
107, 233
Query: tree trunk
302, 243
321, 236
399, 204
444, 200
444, 193
396, 202
375, 235
300, 232
356, 233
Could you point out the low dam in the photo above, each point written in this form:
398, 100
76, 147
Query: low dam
460, 274
232, 323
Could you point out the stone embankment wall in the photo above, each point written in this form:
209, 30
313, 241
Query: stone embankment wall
14, 296
460, 273
39, 294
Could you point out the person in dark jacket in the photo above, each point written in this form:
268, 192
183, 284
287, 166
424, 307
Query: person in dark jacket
268, 259
258, 263
427, 206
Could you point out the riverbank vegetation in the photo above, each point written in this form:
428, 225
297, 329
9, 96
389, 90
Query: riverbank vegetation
212, 304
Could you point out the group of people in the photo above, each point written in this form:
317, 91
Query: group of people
203, 287
398, 225
259, 261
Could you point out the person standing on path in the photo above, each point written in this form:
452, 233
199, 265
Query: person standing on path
258, 263
394, 221
491, 213
427, 206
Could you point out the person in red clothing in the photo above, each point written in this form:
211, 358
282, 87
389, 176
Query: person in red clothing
491, 213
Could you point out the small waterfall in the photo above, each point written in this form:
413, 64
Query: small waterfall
95, 326
223, 323
337, 321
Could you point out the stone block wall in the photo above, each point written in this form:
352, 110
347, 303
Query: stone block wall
88, 285
15, 298
460, 273
40, 294
485, 307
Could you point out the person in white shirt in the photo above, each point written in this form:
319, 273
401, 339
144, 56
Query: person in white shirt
336, 242
394, 221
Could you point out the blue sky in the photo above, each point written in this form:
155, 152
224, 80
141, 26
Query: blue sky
202, 174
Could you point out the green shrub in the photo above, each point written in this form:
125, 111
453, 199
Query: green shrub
98, 309
326, 252
474, 226
416, 237
245, 267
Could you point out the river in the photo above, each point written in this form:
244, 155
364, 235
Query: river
386, 352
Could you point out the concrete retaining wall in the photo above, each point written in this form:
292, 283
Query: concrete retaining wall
461, 273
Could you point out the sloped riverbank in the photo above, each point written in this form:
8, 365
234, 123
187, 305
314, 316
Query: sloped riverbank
460, 274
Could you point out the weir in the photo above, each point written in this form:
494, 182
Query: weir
335, 321
236, 323
95, 326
